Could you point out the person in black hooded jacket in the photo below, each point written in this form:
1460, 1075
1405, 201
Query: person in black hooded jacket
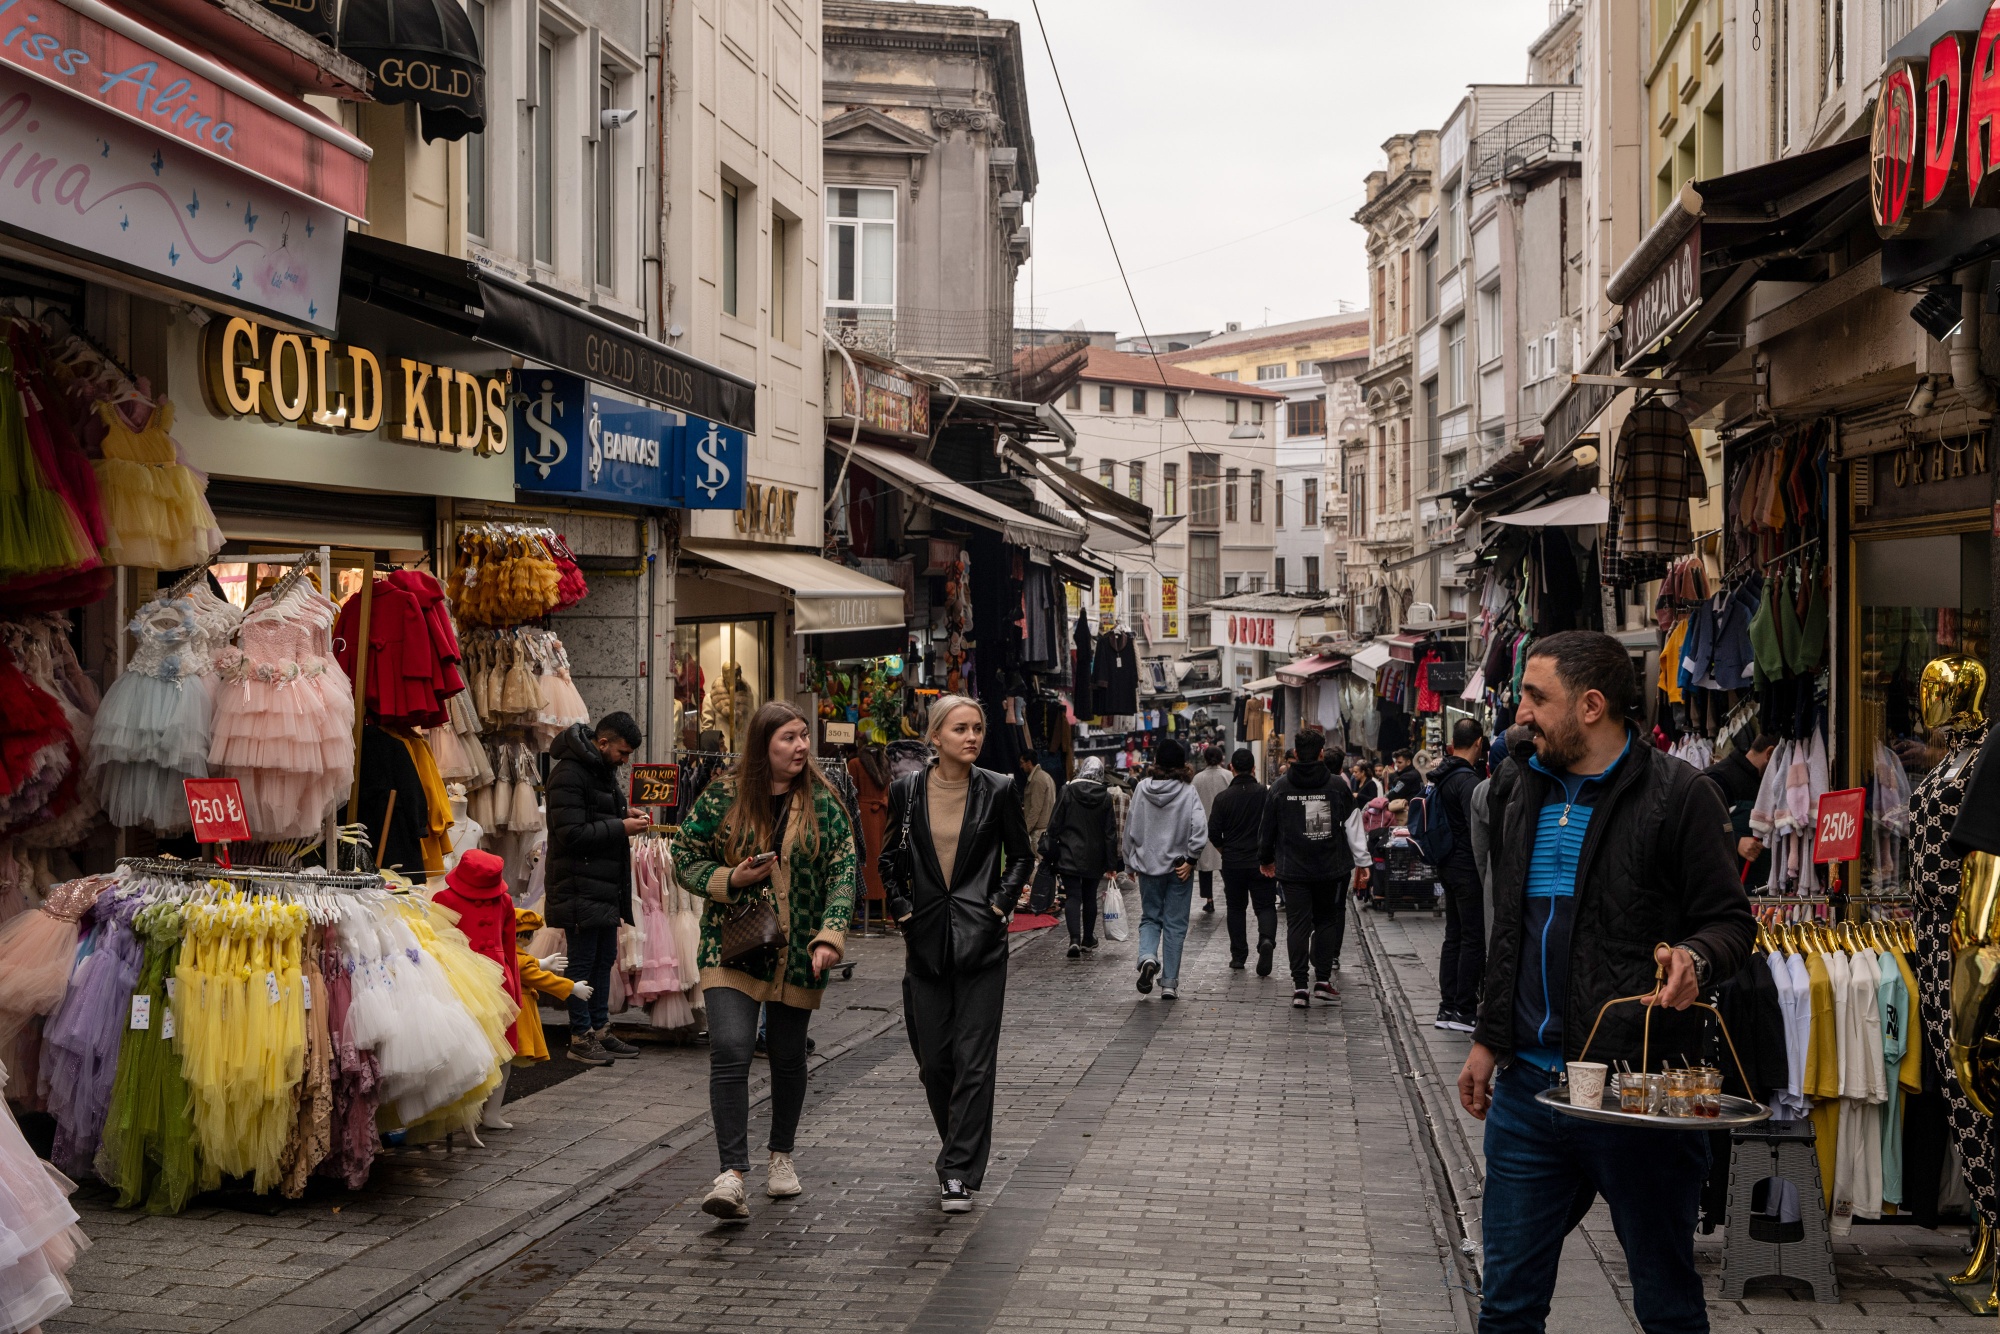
1303, 842
1234, 826
589, 873
1081, 844
956, 857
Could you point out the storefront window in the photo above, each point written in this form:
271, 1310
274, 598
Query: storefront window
722, 675
1920, 598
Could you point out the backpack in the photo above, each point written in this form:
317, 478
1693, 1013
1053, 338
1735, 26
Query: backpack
1429, 825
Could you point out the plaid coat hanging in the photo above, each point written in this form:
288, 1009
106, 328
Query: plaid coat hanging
1658, 473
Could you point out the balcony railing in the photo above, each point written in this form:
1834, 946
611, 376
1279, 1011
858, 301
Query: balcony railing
961, 335
1551, 129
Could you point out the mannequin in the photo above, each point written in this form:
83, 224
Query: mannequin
870, 770
1951, 694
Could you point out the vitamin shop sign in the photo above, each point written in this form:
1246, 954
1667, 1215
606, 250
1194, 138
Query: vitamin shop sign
315, 383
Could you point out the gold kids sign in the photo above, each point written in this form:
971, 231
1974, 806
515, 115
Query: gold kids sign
296, 379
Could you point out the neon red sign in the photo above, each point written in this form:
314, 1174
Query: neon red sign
1934, 135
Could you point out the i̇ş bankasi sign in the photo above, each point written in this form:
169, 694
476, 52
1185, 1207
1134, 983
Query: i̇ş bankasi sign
1936, 141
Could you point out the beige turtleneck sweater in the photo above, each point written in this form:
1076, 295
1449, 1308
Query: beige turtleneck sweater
947, 814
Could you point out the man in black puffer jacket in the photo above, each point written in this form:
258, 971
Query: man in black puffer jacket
1235, 824
1303, 843
1081, 843
590, 871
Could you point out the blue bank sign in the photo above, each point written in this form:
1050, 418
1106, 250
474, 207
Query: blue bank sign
573, 439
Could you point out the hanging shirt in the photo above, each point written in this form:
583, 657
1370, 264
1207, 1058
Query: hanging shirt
1893, 998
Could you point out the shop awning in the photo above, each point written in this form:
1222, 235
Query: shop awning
421, 51
925, 483
1263, 684
1305, 669
1116, 523
1591, 508
1368, 661
475, 302
829, 598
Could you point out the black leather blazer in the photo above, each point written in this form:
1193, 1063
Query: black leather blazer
952, 928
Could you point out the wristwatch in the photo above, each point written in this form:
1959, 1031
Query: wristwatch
1701, 967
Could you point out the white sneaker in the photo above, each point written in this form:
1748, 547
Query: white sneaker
726, 1198
782, 1179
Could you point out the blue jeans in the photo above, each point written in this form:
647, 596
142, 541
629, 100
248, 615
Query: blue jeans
1542, 1171
593, 951
1163, 919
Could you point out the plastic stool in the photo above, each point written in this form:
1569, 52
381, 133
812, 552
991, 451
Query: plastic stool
1757, 1247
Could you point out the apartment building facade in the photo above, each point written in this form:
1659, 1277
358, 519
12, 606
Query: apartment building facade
1192, 447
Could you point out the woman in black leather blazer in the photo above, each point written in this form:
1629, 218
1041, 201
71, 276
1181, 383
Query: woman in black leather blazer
954, 923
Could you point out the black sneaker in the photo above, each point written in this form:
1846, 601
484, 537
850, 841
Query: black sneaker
1445, 1015
1089, 948
954, 1198
1301, 999
586, 1050
1075, 950
1326, 991
1458, 1021
1148, 970
1264, 949
617, 1047
1236, 963
1208, 905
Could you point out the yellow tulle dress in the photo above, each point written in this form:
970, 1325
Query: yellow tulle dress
240, 1030
155, 510
472, 1011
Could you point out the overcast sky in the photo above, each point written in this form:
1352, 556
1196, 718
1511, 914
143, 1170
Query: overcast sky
1229, 142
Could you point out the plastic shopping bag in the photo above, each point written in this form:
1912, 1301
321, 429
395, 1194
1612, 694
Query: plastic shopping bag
1111, 900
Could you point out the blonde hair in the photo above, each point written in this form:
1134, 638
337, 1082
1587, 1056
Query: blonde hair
942, 708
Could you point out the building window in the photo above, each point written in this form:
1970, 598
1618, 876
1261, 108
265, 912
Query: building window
1452, 373
1275, 371
1256, 495
1433, 446
1357, 501
1197, 629
1138, 402
1278, 503
1230, 408
732, 221
1226, 375
607, 213
1135, 481
1075, 399
1257, 412
1204, 475
1107, 398
1489, 323
1278, 574
475, 144
861, 257
1255, 583
1137, 607
1229, 477
1305, 416
543, 113
1448, 238
1311, 506
1106, 473
1232, 585
1170, 488
1312, 574
1170, 404
1427, 279
781, 278
1204, 567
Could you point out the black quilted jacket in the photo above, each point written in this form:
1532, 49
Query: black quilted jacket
1657, 866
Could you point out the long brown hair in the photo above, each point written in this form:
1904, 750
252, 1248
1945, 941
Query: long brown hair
747, 828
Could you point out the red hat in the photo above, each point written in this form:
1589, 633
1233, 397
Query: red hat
478, 873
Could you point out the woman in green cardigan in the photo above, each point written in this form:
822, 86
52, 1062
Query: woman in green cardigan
774, 801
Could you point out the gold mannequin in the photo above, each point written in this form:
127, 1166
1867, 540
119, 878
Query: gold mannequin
1951, 693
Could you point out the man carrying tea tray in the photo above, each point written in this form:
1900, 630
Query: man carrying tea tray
1616, 861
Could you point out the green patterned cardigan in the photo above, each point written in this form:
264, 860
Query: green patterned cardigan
814, 894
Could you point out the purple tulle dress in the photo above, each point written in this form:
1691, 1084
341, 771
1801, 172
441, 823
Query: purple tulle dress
80, 1039
356, 1082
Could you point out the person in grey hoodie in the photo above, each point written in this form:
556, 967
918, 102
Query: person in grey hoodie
1164, 833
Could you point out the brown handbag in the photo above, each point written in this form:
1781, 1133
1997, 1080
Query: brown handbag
749, 929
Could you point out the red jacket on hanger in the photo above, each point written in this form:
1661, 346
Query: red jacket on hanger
476, 890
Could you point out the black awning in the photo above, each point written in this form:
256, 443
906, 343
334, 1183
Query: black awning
316, 17
459, 296
421, 51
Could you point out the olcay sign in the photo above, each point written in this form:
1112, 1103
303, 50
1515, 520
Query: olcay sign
1936, 141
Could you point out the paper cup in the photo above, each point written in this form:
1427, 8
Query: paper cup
1586, 1084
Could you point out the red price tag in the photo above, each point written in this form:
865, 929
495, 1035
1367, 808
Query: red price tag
1837, 835
215, 805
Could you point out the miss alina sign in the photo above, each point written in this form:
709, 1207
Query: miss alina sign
1935, 143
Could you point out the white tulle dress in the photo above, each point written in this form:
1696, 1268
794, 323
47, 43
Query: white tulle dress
39, 1236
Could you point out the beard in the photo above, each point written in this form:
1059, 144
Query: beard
1560, 743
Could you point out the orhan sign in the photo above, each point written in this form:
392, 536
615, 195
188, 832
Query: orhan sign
249, 370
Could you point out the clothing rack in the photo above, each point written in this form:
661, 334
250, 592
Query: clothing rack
173, 868
190, 579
